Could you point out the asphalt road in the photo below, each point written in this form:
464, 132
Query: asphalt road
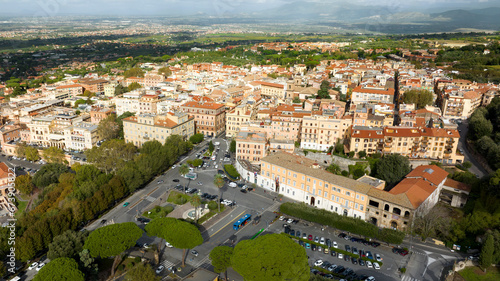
476, 168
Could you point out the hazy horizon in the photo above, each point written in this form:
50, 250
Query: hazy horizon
35, 8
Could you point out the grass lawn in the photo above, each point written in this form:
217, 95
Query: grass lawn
158, 212
20, 208
476, 274
178, 198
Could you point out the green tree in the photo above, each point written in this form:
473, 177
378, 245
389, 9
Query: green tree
296, 100
119, 90
133, 72
133, 86
486, 256
21, 149
221, 259
88, 264
67, 245
339, 147
420, 98
108, 128
143, 272
3, 269
467, 165
211, 147
334, 169
79, 102
60, 269
232, 146
479, 126
392, 168
165, 71
53, 155
112, 240
180, 234
195, 200
219, 183
32, 154
112, 155
24, 184
49, 174
275, 255
183, 171
362, 154
323, 91
196, 138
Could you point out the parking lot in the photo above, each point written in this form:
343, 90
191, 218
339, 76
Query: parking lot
390, 261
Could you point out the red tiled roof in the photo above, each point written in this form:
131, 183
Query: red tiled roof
360, 89
457, 185
431, 173
416, 189
207, 105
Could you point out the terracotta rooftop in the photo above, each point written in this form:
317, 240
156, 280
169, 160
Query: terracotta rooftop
361, 89
431, 173
4, 170
206, 105
416, 189
457, 185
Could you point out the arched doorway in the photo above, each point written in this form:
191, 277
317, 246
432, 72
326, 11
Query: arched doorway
373, 220
394, 225
345, 212
312, 200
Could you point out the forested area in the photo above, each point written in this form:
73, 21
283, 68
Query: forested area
72, 197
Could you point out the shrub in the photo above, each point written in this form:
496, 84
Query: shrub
121, 267
334, 220
137, 259
196, 138
212, 205
345, 173
231, 171
179, 199
168, 209
351, 154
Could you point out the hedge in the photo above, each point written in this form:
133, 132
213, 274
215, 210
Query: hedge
231, 171
353, 225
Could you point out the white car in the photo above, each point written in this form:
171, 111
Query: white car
40, 266
369, 264
160, 269
340, 255
174, 166
371, 278
289, 220
282, 218
378, 257
33, 265
168, 245
335, 245
376, 266
318, 263
322, 240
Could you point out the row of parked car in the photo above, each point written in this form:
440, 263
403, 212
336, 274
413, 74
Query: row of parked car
345, 272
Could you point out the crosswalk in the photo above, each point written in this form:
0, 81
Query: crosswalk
167, 264
409, 278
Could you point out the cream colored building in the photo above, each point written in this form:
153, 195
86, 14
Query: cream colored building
363, 94
236, 118
319, 132
81, 136
109, 89
137, 104
48, 131
251, 146
430, 143
302, 179
145, 127
460, 104
272, 90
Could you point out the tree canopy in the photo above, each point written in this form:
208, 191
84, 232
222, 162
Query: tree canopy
133, 72
196, 138
270, 257
111, 155
486, 256
49, 174
24, 184
53, 155
323, 91
111, 240
142, 272
63, 269
392, 168
221, 258
420, 98
68, 244
108, 128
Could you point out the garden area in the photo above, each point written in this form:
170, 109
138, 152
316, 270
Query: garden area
158, 212
231, 171
178, 198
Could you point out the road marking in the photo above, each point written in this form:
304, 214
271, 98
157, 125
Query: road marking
235, 218
152, 191
135, 204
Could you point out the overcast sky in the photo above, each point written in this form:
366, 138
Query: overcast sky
189, 7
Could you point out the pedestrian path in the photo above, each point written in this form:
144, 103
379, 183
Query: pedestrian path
167, 264
409, 278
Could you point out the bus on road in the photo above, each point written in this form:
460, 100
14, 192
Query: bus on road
242, 222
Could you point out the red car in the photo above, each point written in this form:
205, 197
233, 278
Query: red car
310, 237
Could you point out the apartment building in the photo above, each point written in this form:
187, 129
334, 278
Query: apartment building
10, 132
68, 91
302, 179
210, 118
370, 94
145, 127
235, 118
93, 85
99, 113
431, 143
152, 80
137, 102
251, 146
81, 136
272, 90
109, 89
460, 104
319, 132
47, 131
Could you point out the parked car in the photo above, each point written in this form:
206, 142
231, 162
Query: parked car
194, 252
40, 265
318, 263
369, 264
376, 265
168, 245
33, 265
378, 257
160, 269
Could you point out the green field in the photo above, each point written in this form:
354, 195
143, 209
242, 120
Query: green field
476, 274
